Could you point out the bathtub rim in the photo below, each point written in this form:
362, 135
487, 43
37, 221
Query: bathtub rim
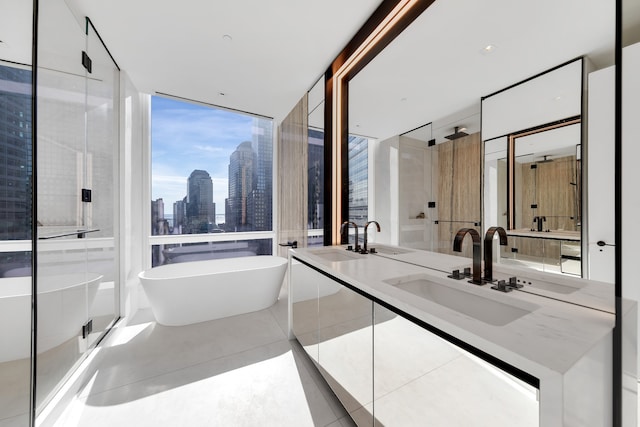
22, 284
182, 267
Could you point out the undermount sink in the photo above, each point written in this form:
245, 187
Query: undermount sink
484, 309
336, 255
390, 250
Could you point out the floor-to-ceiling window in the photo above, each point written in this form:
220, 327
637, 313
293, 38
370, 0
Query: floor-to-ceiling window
212, 176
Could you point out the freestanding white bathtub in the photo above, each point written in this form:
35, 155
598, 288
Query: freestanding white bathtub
64, 301
198, 291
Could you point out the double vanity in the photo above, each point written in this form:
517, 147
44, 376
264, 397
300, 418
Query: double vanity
401, 343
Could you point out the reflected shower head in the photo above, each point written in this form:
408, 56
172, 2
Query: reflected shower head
458, 132
545, 159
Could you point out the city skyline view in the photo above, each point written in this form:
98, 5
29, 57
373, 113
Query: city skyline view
188, 137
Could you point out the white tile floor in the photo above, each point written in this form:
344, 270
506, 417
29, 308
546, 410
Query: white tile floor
239, 371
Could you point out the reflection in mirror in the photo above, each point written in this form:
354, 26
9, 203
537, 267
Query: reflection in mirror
547, 181
422, 190
411, 363
536, 126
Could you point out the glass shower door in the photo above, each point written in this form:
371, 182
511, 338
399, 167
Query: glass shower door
62, 279
101, 178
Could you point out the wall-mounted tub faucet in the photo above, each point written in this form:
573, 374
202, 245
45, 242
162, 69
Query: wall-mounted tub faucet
345, 228
364, 248
488, 250
477, 252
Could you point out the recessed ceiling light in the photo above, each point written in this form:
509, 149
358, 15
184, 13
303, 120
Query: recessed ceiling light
557, 98
490, 48
227, 38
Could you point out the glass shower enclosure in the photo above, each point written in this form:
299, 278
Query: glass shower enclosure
76, 204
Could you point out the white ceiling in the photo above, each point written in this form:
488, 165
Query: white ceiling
279, 48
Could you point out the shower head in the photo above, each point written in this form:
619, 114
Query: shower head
545, 159
458, 132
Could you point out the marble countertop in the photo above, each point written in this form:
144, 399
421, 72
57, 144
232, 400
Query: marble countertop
575, 290
552, 234
545, 342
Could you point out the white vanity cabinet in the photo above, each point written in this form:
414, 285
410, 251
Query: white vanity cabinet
379, 362
335, 327
421, 379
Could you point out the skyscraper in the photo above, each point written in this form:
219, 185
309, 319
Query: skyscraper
179, 215
200, 209
261, 204
242, 181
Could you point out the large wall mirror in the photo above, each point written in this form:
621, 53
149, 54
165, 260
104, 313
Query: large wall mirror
440, 165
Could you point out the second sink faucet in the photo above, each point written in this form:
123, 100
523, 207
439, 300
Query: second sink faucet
364, 248
488, 250
477, 252
345, 227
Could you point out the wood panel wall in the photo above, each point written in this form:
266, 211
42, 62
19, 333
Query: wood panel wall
459, 188
292, 167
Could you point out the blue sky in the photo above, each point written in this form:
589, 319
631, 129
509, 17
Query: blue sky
186, 137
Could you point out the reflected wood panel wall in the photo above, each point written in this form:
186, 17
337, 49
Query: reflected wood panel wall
459, 164
549, 186
292, 176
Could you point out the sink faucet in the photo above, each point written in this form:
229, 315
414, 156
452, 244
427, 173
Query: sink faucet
345, 227
364, 249
488, 250
457, 247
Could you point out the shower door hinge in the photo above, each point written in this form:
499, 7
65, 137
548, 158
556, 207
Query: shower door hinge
431, 204
87, 328
86, 61
86, 195
431, 143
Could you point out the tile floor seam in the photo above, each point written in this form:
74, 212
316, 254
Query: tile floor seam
180, 368
415, 379
286, 334
324, 387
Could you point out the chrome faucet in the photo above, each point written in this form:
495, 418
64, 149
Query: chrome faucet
477, 252
364, 248
345, 227
488, 250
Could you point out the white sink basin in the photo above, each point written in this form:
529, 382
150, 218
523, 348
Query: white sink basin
485, 309
337, 255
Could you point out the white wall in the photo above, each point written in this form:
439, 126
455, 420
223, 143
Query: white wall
135, 111
385, 182
600, 176
553, 96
